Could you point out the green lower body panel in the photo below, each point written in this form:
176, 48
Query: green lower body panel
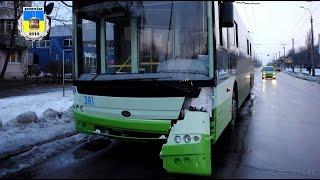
85, 123
192, 158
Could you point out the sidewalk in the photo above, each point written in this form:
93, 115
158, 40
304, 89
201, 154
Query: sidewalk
14, 89
46, 128
304, 76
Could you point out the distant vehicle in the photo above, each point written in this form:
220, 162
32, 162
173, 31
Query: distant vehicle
278, 69
268, 72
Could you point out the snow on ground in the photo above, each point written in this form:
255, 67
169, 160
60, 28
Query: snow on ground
16, 136
304, 70
305, 76
13, 106
26, 142
33, 120
38, 155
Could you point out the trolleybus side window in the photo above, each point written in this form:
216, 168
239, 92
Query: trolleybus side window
118, 47
89, 48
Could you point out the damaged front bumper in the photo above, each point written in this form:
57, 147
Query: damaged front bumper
191, 153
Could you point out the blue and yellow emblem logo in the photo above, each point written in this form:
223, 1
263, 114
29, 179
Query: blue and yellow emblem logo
33, 23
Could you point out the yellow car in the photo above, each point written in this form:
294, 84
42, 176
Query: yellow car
268, 72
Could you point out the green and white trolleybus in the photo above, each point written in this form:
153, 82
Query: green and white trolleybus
174, 72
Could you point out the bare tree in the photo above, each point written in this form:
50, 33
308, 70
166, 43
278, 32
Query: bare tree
12, 38
308, 41
24, 67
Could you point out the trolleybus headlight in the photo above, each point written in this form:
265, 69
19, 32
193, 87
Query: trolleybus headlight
187, 138
77, 107
81, 108
196, 138
177, 139
98, 131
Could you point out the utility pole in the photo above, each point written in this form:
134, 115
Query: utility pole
312, 46
284, 56
279, 58
312, 53
292, 63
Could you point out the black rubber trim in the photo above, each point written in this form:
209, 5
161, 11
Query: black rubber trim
145, 88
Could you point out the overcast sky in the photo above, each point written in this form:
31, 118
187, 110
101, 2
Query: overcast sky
275, 22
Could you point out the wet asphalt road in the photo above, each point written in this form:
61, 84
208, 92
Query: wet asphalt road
277, 136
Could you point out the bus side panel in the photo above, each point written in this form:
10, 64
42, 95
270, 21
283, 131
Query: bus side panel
222, 105
243, 79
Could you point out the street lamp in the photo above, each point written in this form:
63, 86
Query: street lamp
312, 53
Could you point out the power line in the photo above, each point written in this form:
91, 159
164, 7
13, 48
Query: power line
301, 19
297, 26
303, 37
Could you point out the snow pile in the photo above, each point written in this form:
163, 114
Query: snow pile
27, 139
34, 128
27, 130
13, 106
304, 76
27, 117
303, 70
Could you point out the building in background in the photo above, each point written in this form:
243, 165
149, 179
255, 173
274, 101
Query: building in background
18, 61
47, 55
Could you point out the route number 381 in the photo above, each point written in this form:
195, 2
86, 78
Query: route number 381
88, 100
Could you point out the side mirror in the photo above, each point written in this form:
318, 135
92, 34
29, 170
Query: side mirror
226, 14
48, 8
47, 37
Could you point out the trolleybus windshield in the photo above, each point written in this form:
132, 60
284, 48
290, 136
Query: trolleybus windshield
143, 39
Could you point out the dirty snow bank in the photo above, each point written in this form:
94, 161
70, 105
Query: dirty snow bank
34, 128
27, 130
13, 106
304, 76
304, 71
39, 154
28, 139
